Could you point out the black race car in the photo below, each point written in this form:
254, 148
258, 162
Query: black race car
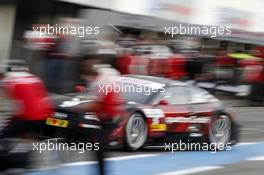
169, 110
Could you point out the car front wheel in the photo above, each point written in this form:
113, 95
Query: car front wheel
136, 132
220, 130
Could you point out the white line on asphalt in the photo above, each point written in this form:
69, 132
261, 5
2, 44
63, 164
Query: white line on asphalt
109, 159
192, 170
163, 146
247, 143
131, 157
250, 129
256, 158
79, 163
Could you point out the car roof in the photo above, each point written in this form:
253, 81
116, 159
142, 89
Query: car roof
161, 80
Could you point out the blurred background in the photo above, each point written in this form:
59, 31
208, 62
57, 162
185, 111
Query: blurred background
133, 40
134, 30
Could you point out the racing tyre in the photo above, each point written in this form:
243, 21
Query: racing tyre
220, 131
135, 132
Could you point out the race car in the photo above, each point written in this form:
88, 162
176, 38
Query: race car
163, 109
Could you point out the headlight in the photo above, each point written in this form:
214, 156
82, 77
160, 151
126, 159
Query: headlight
91, 116
153, 113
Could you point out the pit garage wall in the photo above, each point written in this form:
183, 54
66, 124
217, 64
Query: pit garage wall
7, 17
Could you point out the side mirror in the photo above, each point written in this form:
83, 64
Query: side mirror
163, 102
80, 88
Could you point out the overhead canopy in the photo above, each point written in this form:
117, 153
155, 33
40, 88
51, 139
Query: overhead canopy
111, 18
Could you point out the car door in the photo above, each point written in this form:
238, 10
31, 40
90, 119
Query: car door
174, 101
202, 104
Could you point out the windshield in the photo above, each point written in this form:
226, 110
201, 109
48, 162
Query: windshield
137, 93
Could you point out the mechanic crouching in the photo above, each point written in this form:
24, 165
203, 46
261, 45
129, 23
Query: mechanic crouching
108, 104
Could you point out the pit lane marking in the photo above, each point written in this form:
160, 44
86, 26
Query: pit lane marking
246, 143
259, 158
251, 129
192, 170
110, 159
131, 157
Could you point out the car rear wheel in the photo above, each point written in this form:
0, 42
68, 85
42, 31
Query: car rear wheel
136, 132
220, 130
